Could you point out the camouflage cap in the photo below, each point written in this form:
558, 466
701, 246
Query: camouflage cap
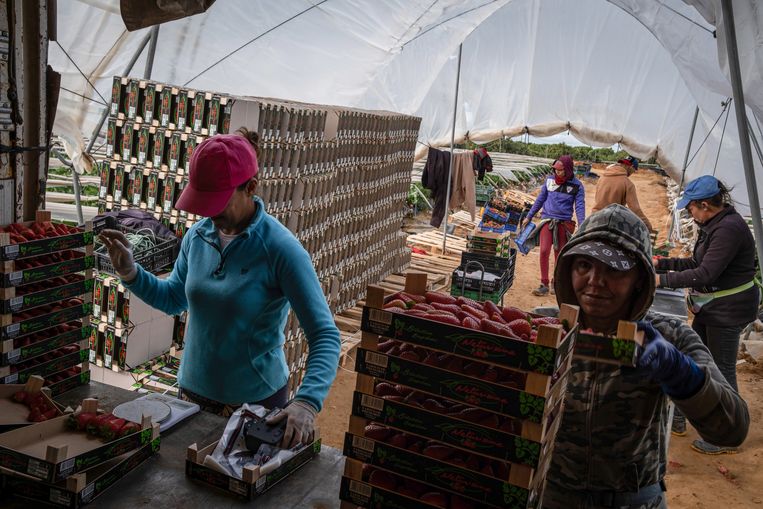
619, 227
606, 253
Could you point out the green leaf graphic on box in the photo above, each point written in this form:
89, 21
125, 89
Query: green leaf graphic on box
527, 451
514, 495
539, 357
394, 367
623, 349
530, 406
88, 237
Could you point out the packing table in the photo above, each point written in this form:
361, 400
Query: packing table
161, 480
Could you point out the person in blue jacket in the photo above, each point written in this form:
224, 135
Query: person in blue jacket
237, 273
561, 192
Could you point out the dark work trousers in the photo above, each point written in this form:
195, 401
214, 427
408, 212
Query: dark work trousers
723, 343
277, 399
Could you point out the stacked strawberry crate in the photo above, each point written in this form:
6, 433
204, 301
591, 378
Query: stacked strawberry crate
45, 302
452, 407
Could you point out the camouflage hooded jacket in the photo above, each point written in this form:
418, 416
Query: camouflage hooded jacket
612, 437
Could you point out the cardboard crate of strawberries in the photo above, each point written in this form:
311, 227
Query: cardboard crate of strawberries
457, 402
57, 448
22, 405
41, 237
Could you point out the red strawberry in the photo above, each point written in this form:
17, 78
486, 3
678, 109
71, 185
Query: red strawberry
470, 323
521, 327
489, 307
511, 313
442, 298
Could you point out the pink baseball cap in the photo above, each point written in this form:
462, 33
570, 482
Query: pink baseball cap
218, 165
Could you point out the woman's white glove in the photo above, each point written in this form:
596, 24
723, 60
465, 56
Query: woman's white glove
300, 423
120, 254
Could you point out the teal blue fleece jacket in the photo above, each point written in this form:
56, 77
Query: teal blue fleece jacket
237, 301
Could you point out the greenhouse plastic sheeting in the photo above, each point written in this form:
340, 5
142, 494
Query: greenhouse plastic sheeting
619, 71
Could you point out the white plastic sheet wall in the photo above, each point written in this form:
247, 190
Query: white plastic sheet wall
618, 71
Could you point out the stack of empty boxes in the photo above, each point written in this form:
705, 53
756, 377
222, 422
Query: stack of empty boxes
336, 177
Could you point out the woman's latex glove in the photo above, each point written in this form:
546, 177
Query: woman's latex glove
300, 423
120, 254
676, 372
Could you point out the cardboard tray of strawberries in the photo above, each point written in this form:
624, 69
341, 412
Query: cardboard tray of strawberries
60, 447
68, 379
45, 317
15, 299
46, 364
513, 393
21, 349
506, 337
475, 477
78, 489
25, 404
24, 240
42, 268
621, 350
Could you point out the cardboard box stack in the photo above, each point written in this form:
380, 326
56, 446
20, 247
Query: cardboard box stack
336, 177
448, 416
126, 331
46, 285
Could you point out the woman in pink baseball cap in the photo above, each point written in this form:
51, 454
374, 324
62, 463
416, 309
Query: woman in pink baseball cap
237, 273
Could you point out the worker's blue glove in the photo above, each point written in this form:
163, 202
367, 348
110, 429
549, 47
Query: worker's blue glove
676, 372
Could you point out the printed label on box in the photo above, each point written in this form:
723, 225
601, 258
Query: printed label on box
37, 468
58, 497
237, 487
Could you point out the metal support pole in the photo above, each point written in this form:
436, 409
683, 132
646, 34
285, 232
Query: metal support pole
755, 142
104, 116
151, 52
452, 155
683, 172
741, 114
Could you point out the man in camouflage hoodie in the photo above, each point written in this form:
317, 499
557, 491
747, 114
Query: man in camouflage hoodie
610, 448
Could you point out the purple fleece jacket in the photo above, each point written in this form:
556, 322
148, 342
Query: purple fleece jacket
558, 201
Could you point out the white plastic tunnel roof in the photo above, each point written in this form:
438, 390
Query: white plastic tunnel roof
617, 71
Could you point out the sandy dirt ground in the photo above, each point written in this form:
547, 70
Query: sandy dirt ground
693, 480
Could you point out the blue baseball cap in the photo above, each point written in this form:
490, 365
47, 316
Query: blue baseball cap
700, 188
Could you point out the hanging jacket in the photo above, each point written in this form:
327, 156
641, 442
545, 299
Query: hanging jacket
435, 178
482, 162
723, 258
612, 436
614, 186
463, 193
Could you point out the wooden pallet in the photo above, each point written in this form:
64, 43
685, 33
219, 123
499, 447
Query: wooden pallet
432, 241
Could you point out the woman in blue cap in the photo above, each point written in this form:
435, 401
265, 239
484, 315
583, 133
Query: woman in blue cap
720, 276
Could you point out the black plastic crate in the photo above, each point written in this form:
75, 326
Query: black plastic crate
163, 253
492, 263
473, 283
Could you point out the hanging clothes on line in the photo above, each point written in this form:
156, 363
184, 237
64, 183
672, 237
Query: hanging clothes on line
463, 193
435, 178
482, 162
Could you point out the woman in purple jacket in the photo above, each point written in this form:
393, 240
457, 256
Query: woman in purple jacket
559, 195
720, 276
